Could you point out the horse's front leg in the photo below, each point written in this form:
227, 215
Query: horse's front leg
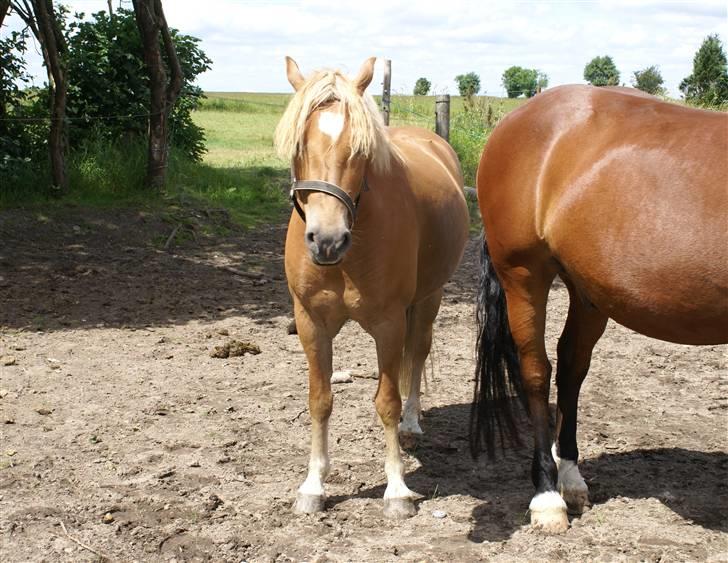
389, 336
317, 346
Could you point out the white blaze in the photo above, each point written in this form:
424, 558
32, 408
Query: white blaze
331, 124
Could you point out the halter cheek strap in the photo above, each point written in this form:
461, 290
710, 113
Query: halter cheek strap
326, 188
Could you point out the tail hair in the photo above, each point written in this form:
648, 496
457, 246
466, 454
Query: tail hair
498, 373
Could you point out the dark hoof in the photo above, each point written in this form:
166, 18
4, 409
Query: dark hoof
399, 508
309, 504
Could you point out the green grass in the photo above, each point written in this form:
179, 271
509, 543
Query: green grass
240, 172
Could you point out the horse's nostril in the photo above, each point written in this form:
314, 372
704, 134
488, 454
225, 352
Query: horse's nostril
346, 240
309, 236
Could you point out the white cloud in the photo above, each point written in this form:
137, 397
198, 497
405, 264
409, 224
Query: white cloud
247, 39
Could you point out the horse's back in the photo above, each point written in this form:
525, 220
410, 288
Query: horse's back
626, 196
436, 182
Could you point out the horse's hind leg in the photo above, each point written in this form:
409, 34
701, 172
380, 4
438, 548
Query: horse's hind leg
389, 335
526, 296
317, 346
418, 342
584, 326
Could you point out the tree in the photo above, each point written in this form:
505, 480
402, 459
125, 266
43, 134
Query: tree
43, 22
601, 71
152, 24
468, 84
649, 80
422, 87
708, 84
4, 9
518, 80
108, 77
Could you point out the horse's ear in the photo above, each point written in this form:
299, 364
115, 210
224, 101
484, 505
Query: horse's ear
294, 75
366, 72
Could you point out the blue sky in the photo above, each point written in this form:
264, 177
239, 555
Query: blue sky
247, 39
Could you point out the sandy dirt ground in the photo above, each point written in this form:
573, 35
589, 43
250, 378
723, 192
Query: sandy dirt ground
121, 437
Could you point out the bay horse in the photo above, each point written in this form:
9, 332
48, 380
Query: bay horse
625, 198
379, 225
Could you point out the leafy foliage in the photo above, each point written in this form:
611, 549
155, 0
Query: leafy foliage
108, 79
468, 84
18, 143
708, 84
422, 87
601, 71
518, 80
649, 80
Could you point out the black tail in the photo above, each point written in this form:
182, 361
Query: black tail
498, 373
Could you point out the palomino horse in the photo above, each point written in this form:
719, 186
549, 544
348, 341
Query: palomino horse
380, 225
625, 198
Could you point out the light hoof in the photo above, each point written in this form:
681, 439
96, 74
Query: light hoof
399, 508
410, 429
550, 521
576, 499
309, 504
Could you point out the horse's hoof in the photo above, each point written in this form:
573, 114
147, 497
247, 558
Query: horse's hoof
408, 441
309, 504
399, 508
410, 429
576, 499
550, 521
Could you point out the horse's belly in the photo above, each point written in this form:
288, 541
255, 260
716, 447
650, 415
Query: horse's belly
677, 306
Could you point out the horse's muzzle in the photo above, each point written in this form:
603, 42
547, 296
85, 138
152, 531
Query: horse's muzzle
328, 249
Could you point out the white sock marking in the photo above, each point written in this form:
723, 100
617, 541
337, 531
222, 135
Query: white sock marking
550, 500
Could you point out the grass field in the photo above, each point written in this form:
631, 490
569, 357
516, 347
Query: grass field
240, 125
240, 171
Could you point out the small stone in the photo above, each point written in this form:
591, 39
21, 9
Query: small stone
223, 332
11, 453
439, 514
343, 376
7, 360
195, 464
108, 518
3, 393
43, 411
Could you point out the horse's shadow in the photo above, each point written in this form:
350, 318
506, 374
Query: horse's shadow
693, 484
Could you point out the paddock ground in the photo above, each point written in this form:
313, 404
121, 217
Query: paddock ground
120, 432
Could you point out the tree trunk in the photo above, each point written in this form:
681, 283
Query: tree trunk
56, 49
151, 22
4, 9
42, 21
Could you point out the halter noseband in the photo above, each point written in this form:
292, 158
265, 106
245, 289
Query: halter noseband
326, 188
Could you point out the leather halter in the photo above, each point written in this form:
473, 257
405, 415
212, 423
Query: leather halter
326, 188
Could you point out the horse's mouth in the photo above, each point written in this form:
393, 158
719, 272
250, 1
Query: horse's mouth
324, 262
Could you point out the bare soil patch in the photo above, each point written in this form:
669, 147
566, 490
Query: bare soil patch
117, 424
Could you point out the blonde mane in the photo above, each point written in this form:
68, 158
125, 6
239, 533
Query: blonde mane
368, 134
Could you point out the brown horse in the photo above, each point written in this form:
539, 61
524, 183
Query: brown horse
623, 196
380, 225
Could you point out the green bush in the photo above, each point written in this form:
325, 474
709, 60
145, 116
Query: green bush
523, 81
468, 84
422, 87
469, 131
649, 80
708, 84
601, 71
108, 80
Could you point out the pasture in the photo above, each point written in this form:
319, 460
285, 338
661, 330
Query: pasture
122, 437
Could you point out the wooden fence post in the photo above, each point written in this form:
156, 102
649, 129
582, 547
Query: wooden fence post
386, 98
442, 116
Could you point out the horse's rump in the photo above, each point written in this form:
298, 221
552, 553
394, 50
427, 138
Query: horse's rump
626, 196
